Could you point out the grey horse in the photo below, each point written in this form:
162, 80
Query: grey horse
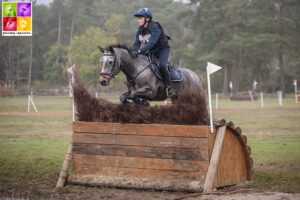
141, 81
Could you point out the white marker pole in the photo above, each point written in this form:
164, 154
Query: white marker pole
217, 101
28, 106
73, 103
279, 94
230, 86
32, 103
72, 97
251, 96
72, 81
210, 68
296, 91
73, 110
209, 102
262, 99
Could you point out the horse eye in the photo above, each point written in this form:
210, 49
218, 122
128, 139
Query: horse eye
110, 62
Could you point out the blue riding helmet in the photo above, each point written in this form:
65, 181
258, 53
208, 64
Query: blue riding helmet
144, 12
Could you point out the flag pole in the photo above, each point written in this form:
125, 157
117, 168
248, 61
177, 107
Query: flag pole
209, 100
210, 68
296, 91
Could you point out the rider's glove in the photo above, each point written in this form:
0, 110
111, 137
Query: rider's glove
135, 53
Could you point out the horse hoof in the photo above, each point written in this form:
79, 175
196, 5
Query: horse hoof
126, 102
146, 103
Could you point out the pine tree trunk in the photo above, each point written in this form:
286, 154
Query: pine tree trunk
59, 28
72, 28
280, 53
239, 65
234, 72
225, 79
235, 58
8, 70
30, 67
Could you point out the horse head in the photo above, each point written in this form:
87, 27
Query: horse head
110, 65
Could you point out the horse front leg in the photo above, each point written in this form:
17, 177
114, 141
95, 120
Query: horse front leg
141, 94
127, 95
144, 92
124, 97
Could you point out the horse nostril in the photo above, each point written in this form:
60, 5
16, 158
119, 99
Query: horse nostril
103, 82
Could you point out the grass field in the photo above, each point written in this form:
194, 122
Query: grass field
32, 147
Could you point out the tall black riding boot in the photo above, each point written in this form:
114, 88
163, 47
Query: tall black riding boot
171, 93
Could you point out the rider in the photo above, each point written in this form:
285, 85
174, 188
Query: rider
155, 42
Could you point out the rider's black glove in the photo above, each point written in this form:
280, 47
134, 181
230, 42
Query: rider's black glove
135, 53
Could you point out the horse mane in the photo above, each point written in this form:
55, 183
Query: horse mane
120, 46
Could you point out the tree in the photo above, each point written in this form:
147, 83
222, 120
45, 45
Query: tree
85, 53
56, 58
245, 37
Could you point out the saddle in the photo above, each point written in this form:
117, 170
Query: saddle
175, 74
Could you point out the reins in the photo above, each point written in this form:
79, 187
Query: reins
111, 75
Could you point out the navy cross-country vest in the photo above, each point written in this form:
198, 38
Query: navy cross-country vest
144, 34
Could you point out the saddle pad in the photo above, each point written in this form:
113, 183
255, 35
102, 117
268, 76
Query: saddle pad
175, 74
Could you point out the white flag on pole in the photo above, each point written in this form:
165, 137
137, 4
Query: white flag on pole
230, 85
212, 68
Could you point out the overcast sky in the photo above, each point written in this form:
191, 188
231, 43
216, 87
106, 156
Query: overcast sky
46, 2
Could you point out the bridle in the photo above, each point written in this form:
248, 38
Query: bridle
112, 73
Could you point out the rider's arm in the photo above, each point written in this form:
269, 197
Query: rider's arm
155, 33
136, 43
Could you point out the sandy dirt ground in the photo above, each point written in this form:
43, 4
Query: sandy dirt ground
248, 196
74, 192
80, 192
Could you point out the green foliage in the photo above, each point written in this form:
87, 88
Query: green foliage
114, 23
84, 50
246, 37
56, 57
85, 53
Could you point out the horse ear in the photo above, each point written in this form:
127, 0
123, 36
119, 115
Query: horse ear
101, 49
111, 49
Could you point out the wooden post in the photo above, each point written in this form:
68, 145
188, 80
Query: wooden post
217, 101
30, 100
251, 96
262, 99
213, 164
296, 91
28, 105
279, 94
64, 170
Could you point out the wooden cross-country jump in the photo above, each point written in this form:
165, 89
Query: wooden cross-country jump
157, 156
